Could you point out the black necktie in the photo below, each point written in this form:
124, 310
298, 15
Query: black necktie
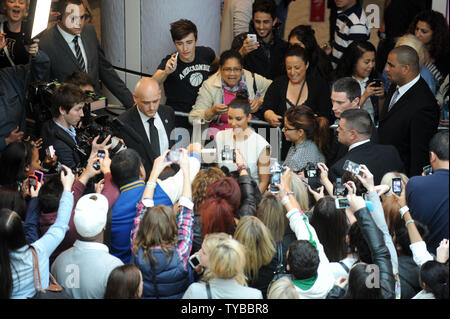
154, 137
79, 55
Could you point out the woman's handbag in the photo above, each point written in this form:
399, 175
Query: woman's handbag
54, 290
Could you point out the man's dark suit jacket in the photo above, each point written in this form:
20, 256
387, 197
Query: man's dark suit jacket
338, 150
379, 159
64, 62
410, 125
135, 137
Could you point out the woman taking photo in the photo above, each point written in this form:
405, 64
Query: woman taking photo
309, 135
358, 61
253, 148
220, 89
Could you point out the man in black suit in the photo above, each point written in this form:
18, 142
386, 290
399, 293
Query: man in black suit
73, 47
148, 125
354, 131
345, 95
410, 115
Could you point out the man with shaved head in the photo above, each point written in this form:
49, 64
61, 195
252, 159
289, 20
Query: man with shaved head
410, 115
148, 124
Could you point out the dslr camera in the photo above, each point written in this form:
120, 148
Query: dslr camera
312, 172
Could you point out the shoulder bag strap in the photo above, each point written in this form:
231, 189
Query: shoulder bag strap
255, 89
208, 290
36, 270
344, 266
279, 254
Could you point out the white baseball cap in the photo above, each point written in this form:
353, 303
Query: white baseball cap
90, 215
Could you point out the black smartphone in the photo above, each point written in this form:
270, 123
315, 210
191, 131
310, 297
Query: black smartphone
397, 186
39, 175
32, 181
378, 83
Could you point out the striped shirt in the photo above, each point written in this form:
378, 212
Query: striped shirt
351, 25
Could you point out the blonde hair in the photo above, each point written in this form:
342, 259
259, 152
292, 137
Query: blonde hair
282, 288
227, 261
412, 41
256, 237
271, 212
300, 192
211, 241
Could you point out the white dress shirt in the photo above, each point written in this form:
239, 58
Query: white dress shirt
69, 39
163, 139
358, 144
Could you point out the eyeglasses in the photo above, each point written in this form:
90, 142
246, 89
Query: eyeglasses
289, 129
229, 70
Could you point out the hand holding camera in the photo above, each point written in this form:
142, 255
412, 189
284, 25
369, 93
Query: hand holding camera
67, 178
171, 64
317, 194
402, 197
159, 165
284, 186
366, 178
356, 202
250, 44
34, 190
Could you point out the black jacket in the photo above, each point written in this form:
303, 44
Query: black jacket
134, 135
66, 149
379, 159
250, 196
380, 256
257, 60
410, 125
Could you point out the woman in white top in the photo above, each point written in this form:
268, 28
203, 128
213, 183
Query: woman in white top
254, 148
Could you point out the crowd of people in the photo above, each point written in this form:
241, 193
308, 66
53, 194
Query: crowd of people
354, 205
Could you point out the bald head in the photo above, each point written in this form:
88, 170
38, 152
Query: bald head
145, 84
402, 65
406, 55
147, 95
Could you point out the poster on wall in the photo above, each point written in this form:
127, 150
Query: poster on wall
317, 11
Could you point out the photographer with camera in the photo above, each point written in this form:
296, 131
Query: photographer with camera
13, 83
67, 110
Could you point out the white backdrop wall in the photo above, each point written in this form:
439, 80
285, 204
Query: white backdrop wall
136, 36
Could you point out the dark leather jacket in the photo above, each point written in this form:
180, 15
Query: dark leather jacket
250, 196
380, 255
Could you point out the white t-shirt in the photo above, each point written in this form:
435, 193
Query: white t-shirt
251, 149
